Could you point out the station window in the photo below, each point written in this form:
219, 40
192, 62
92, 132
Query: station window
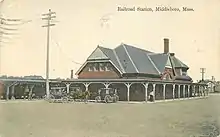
95, 67
107, 67
90, 68
101, 67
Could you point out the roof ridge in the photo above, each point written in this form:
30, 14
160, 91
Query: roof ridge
104, 47
181, 63
172, 64
103, 51
138, 48
98, 47
167, 61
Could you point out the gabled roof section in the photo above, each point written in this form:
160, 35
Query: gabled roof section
168, 64
177, 63
137, 60
161, 61
111, 55
124, 59
97, 54
130, 59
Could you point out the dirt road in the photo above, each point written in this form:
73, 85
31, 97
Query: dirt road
187, 118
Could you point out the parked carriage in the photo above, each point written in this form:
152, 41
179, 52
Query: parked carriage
76, 93
58, 94
107, 95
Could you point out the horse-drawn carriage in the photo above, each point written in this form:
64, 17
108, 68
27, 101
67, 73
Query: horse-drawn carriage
59, 94
107, 95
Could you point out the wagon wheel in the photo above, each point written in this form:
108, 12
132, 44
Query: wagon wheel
64, 99
98, 99
70, 99
44, 98
50, 99
108, 99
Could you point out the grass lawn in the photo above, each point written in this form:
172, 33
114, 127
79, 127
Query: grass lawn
189, 118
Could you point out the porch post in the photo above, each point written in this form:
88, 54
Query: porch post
106, 85
30, 92
7, 92
199, 91
86, 86
207, 92
154, 88
68, 88
128, 91
194, 90
164, 91
188, 90
13, 92
203, 88
173, 91
184, 91
179, 91
146, 94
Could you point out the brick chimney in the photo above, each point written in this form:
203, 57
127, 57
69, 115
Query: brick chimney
172, 54
166, 45
71, 74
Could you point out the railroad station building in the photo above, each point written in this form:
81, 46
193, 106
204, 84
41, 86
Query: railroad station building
136, 72
133, 72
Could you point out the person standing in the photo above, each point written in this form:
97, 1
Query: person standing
87, 94
151, 98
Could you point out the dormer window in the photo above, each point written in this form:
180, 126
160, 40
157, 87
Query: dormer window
95, 67
184, 73
90, 68
107, 67
179, 71
101, 67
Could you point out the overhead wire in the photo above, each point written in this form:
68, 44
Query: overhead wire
61, 51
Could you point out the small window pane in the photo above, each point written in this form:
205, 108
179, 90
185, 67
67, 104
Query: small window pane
101, 67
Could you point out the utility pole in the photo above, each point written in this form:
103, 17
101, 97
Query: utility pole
202, 71
48, 17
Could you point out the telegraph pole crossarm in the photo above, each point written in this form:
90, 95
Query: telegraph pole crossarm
48, 17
